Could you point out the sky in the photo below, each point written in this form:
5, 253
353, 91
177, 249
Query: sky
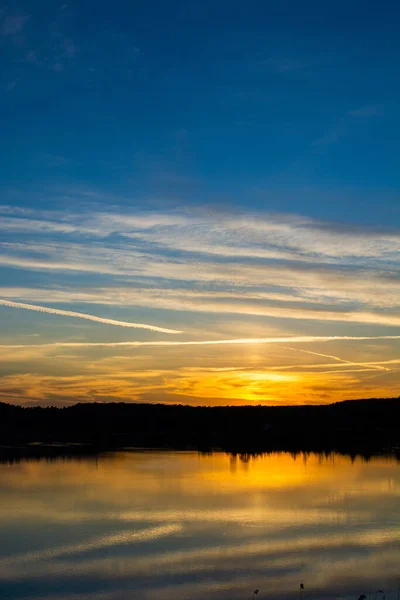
199, 201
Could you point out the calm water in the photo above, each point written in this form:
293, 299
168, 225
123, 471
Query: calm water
168, 525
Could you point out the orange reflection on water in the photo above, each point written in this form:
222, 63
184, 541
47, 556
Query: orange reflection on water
201, 524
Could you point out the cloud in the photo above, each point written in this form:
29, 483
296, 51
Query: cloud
369, 365
10, 85
240, 302
69, 313
332, 136
334, 293
366, 111
69, 48
265, 265
343, 126
289, 64
31, 57
194, 385
13, 24
305, 339
266, 235
57, 67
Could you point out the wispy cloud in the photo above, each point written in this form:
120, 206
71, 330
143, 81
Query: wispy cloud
343, 126
332, 136
69, 313
266, 265
10, 85
13, 24
368, 110
219, 302
197, 384
243, 281
70, 48
31, 57
369, 365
306, 339
264, 235
289, 64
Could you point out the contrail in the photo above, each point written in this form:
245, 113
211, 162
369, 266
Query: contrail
342, 360
70, 313
167, 343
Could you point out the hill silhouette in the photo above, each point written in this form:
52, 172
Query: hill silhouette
352, 427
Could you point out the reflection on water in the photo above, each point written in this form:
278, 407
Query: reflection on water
169, 525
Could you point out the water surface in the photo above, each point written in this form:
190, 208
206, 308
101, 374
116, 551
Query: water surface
180, 525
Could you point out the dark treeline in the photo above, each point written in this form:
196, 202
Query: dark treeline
352, 427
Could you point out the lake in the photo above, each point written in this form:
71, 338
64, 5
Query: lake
157, 525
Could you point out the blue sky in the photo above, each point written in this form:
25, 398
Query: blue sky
224, 169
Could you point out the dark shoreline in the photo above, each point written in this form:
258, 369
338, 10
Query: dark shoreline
50, 452
355, 428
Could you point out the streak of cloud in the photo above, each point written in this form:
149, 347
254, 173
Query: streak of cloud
13, 24
342, 360
166, 343
70, 313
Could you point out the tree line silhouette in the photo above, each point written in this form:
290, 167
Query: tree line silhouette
351, 427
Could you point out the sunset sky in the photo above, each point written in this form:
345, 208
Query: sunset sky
199, 201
